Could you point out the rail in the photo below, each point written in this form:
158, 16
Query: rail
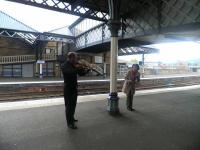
17, 59
97, 34
95, 67
25, 58
49, 57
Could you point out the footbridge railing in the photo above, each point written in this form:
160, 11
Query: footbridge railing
98, 34
25, 58
166, 20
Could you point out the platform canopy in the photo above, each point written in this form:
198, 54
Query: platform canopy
149, 21
137, 50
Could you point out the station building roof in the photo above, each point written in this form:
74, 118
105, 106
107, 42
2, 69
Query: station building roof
8, 22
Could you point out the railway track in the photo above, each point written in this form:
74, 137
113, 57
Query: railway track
85, 88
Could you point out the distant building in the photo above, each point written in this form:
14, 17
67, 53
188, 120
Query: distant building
19, 55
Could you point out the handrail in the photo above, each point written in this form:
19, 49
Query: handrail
25, 58
17, 59
99, 33
93, 66
49, 57
89, 30
97, 68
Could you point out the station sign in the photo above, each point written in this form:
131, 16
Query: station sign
98, 59
40, 62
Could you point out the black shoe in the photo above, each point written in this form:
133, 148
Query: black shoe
130, 109
72, 126
75, 120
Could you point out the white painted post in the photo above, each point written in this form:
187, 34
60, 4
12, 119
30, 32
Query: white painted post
143, 65
113, 64
104, 69
41, 70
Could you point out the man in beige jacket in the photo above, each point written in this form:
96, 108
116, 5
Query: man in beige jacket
131, 78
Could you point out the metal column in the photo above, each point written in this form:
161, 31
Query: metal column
41, 72
114, 26
113, 64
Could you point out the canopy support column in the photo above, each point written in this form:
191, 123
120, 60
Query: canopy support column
114, 26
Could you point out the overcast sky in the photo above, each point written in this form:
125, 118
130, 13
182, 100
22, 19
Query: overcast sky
37, 18
171, 53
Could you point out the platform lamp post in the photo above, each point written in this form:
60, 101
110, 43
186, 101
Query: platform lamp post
40, 43
114, 26
143, 65
37, 46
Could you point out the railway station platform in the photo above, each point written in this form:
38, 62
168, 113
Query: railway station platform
165, 119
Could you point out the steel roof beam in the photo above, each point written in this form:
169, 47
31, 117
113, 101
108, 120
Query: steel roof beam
79, 20
66, 8
33, 36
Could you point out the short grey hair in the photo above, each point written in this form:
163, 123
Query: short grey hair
71, 54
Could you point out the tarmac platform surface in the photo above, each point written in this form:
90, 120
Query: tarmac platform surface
162, 121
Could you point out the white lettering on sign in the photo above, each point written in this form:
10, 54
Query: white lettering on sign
40, 62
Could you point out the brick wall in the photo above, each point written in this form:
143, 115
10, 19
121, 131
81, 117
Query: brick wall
14, 46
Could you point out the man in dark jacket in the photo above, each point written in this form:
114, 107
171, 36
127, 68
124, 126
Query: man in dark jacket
70, 70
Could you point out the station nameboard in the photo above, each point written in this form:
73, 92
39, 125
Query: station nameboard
40, 61
98, 59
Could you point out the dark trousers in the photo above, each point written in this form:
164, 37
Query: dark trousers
129, 100
70, 96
